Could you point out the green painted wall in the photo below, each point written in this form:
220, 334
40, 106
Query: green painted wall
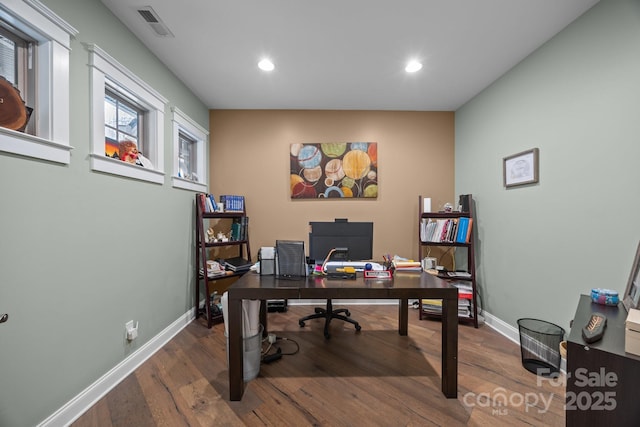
83, 252
577, 100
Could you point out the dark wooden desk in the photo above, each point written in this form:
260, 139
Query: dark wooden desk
402, 287
602, 379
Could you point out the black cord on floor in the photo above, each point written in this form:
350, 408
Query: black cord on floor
289, 340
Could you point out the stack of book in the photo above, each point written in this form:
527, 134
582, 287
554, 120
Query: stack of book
464, 308
237, 264
465, 295
455, 275
213, 269
232, 203
407, 265
432, 306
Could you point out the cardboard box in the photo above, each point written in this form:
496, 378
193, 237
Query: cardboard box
632, 332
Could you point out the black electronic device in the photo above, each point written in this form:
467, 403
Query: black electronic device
341, 275
465, 203
272, 357
594, 329
279, 305
356, 238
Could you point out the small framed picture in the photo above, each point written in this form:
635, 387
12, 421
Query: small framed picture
521, 168
632, 293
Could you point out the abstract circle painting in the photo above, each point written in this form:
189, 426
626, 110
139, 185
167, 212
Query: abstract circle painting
334, 170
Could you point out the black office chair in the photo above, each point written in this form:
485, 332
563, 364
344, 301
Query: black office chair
328, 314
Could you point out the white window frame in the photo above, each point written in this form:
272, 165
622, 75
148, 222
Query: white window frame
105, 70
53, 36
182, 123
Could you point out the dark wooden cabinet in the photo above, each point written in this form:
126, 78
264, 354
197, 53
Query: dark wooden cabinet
203, 250
602, 379
423, 246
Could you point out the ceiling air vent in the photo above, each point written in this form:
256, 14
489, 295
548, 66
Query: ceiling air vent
151, 17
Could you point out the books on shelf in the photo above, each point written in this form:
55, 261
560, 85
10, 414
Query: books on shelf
441, 230
465, 296
213, 269
228, 203
432, 306
232, 203
464, 230
465, 290
239, 229
464, 308
207, 203
237, 264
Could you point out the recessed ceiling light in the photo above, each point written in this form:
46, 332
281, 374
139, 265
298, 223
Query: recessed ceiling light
413, 66
266, 65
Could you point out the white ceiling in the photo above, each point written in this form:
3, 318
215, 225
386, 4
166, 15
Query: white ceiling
345, 54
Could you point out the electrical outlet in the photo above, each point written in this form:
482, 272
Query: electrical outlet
130, 331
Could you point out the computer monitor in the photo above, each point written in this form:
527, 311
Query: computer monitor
356, 237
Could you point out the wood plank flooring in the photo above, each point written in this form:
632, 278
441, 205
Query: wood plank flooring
371, 378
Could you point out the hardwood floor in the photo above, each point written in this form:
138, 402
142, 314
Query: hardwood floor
371, 378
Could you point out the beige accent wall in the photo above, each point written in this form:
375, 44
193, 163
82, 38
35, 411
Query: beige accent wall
249, 155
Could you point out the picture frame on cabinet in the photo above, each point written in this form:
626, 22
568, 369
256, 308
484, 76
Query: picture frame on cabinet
632, 293
521, 168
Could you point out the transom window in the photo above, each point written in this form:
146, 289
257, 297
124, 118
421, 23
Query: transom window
123, 121
34, 57
190, 153
187, 158
127, 115
17, 66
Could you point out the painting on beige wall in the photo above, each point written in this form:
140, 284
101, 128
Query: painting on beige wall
334, 170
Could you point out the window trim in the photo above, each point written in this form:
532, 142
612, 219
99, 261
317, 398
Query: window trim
105, 70
183, 123
53, 36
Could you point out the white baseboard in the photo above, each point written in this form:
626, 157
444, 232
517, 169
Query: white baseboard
77, 406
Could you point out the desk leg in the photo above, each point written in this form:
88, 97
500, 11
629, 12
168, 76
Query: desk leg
450, 347
403, 317
263, 318
236, 374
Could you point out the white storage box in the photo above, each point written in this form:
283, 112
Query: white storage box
632, 332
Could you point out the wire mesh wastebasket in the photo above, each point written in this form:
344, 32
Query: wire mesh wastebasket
540, 346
